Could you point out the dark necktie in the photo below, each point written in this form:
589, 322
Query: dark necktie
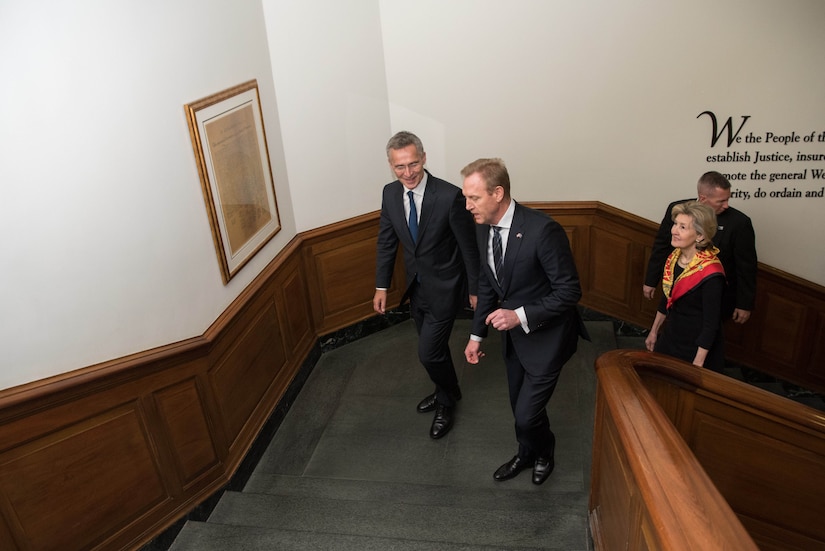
413, 221
498, 260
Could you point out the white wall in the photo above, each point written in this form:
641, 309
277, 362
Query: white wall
106, 247
328, 66
588, 99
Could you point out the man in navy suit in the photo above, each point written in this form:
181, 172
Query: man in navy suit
528, 290
426, 216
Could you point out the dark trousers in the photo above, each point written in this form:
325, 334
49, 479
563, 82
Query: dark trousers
434, 349
529, 395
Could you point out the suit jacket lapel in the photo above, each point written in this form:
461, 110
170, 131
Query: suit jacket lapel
483, 235
513, 246
427, 206
396, 210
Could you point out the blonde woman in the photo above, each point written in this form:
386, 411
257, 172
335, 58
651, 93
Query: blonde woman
688, 322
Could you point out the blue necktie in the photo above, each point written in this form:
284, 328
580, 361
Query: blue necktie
498, 260
413, 221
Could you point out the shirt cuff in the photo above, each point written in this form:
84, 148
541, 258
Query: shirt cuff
476, 338
522, 316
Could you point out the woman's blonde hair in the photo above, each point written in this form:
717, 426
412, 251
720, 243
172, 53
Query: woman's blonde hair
704, 220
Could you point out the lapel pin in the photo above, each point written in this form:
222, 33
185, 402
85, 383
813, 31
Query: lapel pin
518, 235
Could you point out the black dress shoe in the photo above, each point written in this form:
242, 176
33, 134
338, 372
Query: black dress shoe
429, 402
542, 469
442, 422
512, 468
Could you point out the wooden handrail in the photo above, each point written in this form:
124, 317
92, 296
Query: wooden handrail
671, 494
707, 462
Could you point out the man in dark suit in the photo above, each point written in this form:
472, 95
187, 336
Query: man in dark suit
528, 290
735, 239
426, 215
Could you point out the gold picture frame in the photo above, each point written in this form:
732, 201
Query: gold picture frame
229, 141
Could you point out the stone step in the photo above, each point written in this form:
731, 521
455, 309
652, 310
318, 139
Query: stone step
204, 536
511, 496
315, 512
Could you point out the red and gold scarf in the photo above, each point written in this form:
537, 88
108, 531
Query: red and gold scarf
704, 264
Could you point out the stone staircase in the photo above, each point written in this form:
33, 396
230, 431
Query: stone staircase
352, 466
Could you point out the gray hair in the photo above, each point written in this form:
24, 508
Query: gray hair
404, 139
704, 220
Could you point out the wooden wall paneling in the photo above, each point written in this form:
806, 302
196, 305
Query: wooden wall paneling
769, 538
815, 366
576, 219
610, 268
597, 453
186, 413
739, 336
615, 246
764, 453
339, 282
756, 462
579, 236
639, 233
648, 541
782, 328
29, 411
346, 271
340, 263
618, 497
74, 487
7, 540
617, 516
284, 344
644, 310
240, 377
621, 520
784, 336
295, 311
575, 239
668, 397
101, 440
182, 419
685, 510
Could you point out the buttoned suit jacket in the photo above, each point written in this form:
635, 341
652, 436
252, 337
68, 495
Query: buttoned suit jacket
444, 263
539, 274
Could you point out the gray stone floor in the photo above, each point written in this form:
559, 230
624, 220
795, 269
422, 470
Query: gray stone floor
352, 465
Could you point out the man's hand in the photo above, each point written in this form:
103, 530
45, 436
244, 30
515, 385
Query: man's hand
503, 320
379, 301
472, 352
473, 301
648, 291
741, 316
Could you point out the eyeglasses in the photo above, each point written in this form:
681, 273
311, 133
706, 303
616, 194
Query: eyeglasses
412, 167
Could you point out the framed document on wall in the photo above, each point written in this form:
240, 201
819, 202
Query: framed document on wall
229, 141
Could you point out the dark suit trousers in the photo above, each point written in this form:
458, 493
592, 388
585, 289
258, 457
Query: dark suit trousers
529, 395
433, 347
